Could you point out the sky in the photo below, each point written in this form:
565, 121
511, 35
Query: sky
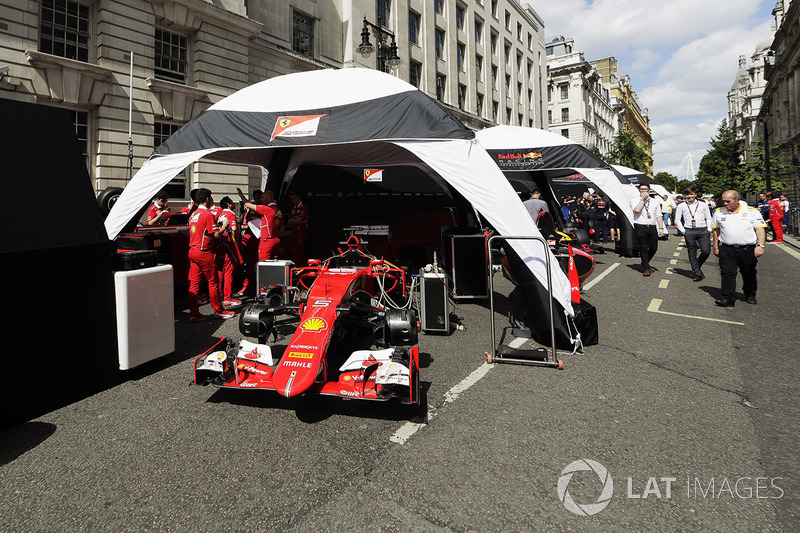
682, 57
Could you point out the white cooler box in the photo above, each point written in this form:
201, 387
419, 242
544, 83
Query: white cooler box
145, 303
273, 272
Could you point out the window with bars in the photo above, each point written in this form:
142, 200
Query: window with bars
382, 12
415, 74
441, 84
162, 131
80, 120
414, 23
565, 114
64, 29
302, 34
439, 43
564, 91
171, 56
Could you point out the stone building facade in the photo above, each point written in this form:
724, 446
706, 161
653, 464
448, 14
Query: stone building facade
780, 111
625, 103
131, 73
579, 101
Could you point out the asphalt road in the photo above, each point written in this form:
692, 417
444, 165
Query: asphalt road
690, 409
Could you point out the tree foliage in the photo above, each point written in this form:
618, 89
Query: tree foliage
628, 152
721, 168
754, 175
669, 181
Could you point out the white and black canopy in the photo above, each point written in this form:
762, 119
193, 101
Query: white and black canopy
344, 117
634, 178
517, 148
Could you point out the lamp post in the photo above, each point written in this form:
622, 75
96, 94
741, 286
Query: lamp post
387, 54
767, 175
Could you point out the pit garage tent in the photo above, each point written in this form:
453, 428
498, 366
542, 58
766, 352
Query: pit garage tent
634, 178
343, 117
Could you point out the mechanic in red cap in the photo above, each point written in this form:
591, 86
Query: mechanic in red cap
203, 231
270, 243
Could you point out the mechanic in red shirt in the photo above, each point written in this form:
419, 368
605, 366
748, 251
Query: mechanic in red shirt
776, 217
249, 245
298, 221
158, 213
269, 243
228, 257
203, 231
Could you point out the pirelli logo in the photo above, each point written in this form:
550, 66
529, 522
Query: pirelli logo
301, 355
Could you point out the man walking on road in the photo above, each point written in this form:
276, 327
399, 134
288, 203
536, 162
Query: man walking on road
646, 218
739, 236
692, 217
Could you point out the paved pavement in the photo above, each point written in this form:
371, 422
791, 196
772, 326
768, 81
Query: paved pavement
691, 410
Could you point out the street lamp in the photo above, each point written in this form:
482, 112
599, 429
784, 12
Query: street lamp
365, 48
764, 115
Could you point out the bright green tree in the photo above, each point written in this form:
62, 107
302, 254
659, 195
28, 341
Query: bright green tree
754, 176
721, 168
669, 181
628, 152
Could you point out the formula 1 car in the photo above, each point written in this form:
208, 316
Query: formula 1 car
344, 302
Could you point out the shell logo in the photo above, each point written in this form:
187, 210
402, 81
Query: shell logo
314, 324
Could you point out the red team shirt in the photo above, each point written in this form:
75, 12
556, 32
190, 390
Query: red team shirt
154, 211
202, 226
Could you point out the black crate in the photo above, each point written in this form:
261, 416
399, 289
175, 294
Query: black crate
123, 261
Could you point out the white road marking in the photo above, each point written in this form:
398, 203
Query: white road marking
673, 261
655, 303
676, 254
408, 429
663, 284
517, 342
596, 280
669, 271
789, 249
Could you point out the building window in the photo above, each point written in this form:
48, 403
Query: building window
478, 67
441, 81
495, 108
461, 50
494, 8
494, 77
508, 20
565, 114
161, 132
508, 85
440, 44
478, 30
493, 43
438, 6
519, 119
565, 133
549, 93
549, 116
302, 34
80, 120
460, 17
171, 56
382, 8
462, 96
479, 104
415, 74
519, 34
564, 91
508, 116
414, 22
64, 29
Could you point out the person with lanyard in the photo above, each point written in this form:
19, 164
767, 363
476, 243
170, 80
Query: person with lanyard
739, 236
203, 232
648, 226
692, 217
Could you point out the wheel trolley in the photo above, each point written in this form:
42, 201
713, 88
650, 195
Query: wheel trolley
518, 355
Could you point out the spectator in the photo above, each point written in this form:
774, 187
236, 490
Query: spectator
739, 236
248, 245
667, 205
535, 205
776, 217
786, 207
228, 256
613, 225
599, 218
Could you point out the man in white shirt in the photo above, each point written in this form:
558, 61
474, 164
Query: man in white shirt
648, 226
739, 236
693, 218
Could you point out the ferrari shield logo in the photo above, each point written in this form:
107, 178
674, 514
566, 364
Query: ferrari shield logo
296, 126
373, 175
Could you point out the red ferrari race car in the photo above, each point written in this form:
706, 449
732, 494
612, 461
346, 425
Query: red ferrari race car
344, 302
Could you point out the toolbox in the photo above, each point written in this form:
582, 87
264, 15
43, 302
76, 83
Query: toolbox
134, 260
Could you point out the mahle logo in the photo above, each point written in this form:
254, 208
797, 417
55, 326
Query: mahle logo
585, 509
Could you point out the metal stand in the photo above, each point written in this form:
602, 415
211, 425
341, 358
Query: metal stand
520, 357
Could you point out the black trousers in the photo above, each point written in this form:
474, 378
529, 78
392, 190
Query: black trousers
647, 237
695, 237
742, 259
